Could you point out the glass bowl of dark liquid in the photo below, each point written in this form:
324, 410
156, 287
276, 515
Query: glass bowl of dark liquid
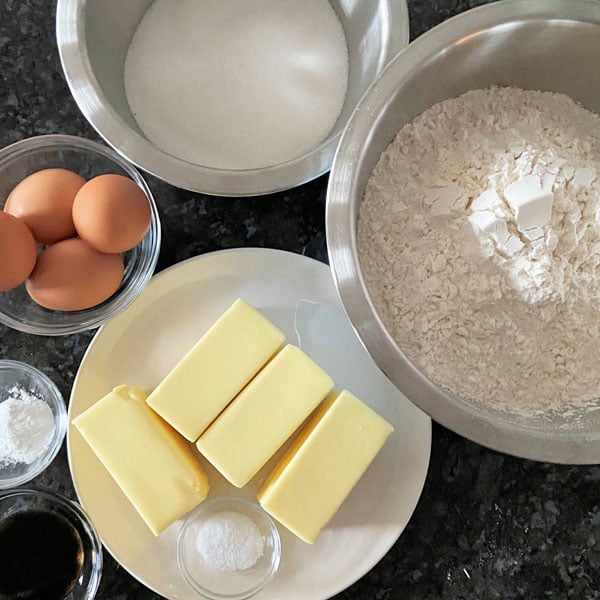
48, 548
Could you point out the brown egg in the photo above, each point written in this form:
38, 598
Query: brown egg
44, 202
71, 275
17, 252
112, 213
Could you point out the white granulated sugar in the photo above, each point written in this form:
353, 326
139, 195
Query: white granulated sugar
26, 427
235, 84
479, 241
230, 541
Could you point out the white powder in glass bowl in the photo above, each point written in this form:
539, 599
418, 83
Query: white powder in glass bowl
26, 427
230, 541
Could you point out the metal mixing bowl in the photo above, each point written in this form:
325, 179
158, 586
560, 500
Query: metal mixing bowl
551, 45
93, 37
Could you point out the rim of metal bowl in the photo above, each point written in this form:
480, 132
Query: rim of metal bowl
97, 315
71, 41
344, 194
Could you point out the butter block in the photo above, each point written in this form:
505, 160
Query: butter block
530, 201
214, 371
155, 467
322, 465
265, 414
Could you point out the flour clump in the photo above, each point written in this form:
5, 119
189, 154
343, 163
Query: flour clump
479, 241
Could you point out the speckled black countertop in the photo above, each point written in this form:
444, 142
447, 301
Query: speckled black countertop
487, 525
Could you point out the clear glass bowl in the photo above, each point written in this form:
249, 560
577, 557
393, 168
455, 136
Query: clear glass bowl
15, 501
216, 584
89, 159
13, 373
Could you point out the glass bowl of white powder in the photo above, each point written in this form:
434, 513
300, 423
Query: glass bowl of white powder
33, 422
228, 548
223, 97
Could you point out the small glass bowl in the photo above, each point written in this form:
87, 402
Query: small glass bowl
88, 158
14, 373
215, 584
86, 586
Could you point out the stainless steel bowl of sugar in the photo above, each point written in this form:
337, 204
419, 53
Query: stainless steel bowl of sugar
530, 364
222, 96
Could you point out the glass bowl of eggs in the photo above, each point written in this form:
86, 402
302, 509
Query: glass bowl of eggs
79, 234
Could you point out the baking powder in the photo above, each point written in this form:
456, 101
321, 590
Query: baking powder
514, 326
26, 427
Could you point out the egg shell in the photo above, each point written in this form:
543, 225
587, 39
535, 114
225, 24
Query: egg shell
112, 213
17, 252
44, 201
71, 275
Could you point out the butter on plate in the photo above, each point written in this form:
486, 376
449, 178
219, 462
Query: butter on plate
153, 465
212, 373
264, 415
322, 465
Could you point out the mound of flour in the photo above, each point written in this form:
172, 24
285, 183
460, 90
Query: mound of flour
517, 328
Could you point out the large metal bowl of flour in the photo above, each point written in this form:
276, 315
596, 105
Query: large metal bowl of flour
550, 45
93, 37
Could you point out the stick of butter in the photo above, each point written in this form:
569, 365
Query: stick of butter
155, 467
265, 414
213, 372
323, 464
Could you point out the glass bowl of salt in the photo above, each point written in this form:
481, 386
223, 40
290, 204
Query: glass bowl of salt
228, 548
33, 422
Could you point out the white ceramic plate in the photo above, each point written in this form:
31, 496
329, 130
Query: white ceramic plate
140, 346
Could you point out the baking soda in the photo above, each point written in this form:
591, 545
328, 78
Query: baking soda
237, 84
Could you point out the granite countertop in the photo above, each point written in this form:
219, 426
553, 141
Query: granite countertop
487, 525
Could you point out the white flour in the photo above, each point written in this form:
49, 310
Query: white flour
518, 328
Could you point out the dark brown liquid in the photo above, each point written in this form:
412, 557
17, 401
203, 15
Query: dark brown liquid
41, 556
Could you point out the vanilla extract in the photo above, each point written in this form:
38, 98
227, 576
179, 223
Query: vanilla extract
41, 556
